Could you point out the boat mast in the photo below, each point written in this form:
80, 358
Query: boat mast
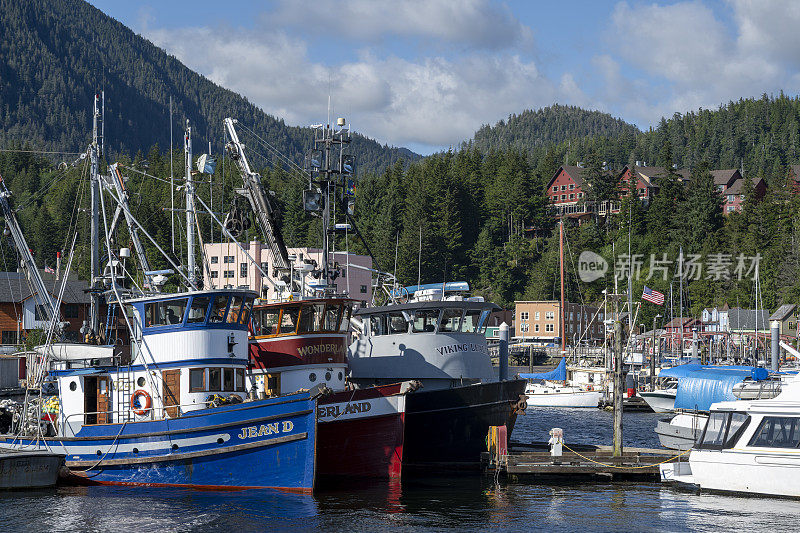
190, 264
94, 157
561, 269
680, 294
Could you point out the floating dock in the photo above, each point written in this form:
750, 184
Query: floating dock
528, 462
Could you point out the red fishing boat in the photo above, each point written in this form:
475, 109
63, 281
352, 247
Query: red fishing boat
297, 345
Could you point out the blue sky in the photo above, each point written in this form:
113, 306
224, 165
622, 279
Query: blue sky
427, 73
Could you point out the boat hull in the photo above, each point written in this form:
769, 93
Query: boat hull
772, 473
360, 433
261, 444
29, 469
659, 401
448, 427
578, 399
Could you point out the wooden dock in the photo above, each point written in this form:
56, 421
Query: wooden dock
533, 461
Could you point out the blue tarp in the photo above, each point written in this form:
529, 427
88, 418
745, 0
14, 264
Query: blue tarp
702, 386
559, 373
681, 371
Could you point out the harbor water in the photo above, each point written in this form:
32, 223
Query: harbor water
462, 503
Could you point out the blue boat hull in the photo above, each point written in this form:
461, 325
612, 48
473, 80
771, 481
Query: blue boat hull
261, 444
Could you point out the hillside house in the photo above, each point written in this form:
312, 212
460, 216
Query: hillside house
787, 316
567, 192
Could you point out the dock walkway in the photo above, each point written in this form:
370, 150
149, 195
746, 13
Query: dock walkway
586, 462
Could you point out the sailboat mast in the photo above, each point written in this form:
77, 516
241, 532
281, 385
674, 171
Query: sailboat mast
94, 157
190, 234
680, 293
561, 269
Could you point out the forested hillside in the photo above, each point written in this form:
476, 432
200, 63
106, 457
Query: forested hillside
54, 56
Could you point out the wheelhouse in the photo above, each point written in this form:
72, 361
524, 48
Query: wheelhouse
450, 317
301, 317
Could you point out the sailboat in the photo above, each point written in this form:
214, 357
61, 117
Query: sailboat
549, 389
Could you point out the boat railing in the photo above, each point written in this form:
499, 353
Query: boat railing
127, 415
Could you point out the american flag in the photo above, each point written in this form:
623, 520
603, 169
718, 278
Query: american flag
653, 296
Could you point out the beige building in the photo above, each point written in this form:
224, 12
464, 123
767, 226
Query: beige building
229, 267
541, 320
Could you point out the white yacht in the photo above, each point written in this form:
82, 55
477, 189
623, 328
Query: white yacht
747, 446
551, 389
661, 400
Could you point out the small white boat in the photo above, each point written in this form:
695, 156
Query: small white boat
682, 431
747, 446
550, 394
661, 400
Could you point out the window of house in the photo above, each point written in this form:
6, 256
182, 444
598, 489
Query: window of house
791, 325
39, 312
214, 259
363, 289
9, 337
741, 197
228, 273
563, 196
550, 315
214, 274
265, 267
71, 310
536, 328
523, 315
571, 186
555, 188
523, 327
580, 195
228, 259
571, 196
549, 327
731, 208
563, 187
730, 198
197, 380
536, 315
243, 270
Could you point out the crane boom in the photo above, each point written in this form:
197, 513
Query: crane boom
28, 263
262, 207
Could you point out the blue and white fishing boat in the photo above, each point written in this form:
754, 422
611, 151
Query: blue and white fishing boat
174, 411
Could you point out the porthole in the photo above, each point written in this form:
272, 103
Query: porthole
340, 376
312, 377
140, 381
220, 441
136, 450
327, 376
174, 447
99, 453
73, 386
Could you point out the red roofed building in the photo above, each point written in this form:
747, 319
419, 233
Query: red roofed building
566, 186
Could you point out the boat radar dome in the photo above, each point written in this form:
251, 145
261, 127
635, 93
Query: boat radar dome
340, 121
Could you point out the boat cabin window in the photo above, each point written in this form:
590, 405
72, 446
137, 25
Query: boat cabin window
219, 380
289, 319
197, 312
165, 313
722, 430
377, 325
218, 309
425, 320
248, 307
197, 380
265, 321
471, 321
484, 321
311, 318
777, 432
331, 320
451, 320
397, 323
344, 325
235, 310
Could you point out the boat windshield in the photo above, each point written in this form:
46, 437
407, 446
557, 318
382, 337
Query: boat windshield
451, 320
425, 320
311, 318
265, 321
344, 325
471, 321
218, 309
331, 320
165, 313
289, 319
197, 312
722, 430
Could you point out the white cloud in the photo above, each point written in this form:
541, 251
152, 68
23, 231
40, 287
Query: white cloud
432, 101
473, 23
681, 56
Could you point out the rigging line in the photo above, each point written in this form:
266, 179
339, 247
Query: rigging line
272, 148
37, 152
78, 200
143, 173
42, 191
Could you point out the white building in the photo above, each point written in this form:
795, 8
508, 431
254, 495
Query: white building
229, 267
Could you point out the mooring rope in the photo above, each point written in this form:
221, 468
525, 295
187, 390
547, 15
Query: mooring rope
626, 467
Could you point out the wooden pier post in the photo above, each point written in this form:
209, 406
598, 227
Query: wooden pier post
618, 385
